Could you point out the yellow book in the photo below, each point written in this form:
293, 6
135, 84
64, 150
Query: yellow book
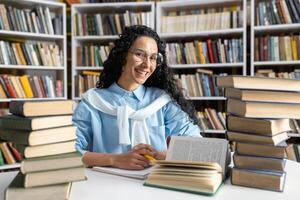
26, 86
21, 55
201, 54
294, 48
2, 92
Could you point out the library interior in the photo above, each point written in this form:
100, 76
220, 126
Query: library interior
143, 99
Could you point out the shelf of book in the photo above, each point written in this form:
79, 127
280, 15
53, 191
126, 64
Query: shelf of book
275, 39
206, 98
30, 67
95, 38
88, 68
17, 34
203, 33
108, 20
276, 28
33, 44
276, 63
213, 65
12, 166
214, 131
202, 44
32, 99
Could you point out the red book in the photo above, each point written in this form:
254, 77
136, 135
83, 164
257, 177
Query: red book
9, 86
210, 51
15, 152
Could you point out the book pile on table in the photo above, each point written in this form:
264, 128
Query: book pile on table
43, 133
259, 110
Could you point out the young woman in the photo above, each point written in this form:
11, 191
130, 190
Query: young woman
135, 107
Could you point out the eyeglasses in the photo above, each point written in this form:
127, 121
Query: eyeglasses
140, 55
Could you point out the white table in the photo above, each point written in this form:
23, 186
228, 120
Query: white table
104, 186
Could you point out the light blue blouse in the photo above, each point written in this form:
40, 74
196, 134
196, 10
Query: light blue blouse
98, 131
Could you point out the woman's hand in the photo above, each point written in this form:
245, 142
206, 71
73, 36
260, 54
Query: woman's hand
160, 155
134, 159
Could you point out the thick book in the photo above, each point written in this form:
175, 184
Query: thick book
253, 109
258, 126
195, 165
54, 177
267, 180
41, 108
258, 83
252, 149
34, 123
16, 191
263, 96
259, 162
39, 137
137, 174
46, 149
255, 138
47, 163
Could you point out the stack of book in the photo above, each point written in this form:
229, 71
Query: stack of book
43, 133
259, 110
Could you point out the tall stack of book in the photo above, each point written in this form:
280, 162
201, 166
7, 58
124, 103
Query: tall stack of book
44, 135
259, 110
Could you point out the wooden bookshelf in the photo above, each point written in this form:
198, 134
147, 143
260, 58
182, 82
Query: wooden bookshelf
186, 34
57, 13
97, 39
271, 27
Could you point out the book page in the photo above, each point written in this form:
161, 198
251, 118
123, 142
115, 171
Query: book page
198, 149
138, 174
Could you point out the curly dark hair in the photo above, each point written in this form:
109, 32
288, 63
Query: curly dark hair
161, 78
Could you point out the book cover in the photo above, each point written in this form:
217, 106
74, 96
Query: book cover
258, 83
39, 137
48, 163
54, 177
34, 123
41, 108
267, 180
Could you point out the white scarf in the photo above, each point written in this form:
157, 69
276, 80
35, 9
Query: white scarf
139, 132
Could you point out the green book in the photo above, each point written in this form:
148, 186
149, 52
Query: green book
183, 189
1, 159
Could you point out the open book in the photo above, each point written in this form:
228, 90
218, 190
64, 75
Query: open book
195, 165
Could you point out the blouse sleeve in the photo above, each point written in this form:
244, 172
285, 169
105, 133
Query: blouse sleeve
177, 122
82, 120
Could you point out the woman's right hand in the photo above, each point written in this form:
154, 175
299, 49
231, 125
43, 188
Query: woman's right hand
133, 159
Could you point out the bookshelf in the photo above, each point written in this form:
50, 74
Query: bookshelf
282, 22
271, 27
26, 34
105, 17
173, 24
44, 49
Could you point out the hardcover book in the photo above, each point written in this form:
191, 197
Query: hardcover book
16, 191
41, 108
34, 123
258, 126
268, 180
39, 137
